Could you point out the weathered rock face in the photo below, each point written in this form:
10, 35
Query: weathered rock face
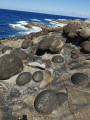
23, 78
26, 44
21, 54
46, 102
10, 65
6, 48
86, 46
38, 76
79, 79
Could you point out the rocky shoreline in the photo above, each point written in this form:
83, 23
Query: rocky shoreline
46, 75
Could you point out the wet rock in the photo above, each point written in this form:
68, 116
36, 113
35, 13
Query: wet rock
58, 59
46, 102
74, 56
21, 54
79, 79
26, 44
23, 78
6, 48
38, 76
62, 97
86, 46
10, 65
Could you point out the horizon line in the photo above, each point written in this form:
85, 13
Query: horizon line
44, 13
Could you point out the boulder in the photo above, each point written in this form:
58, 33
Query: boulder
86, 46
23, 78
84, 33
46, 102
10, 65
71, 29
26, 44
52, 42
21, 54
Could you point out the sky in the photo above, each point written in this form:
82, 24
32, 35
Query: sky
78, 8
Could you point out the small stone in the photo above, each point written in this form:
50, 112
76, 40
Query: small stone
79, 79
74, 56
6, 48
21, 54
38, 76
23, 78
58, 59
46, 102
62, 97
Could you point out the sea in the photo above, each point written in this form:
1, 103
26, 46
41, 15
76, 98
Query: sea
12, 22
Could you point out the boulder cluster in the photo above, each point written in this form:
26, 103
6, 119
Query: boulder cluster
46, 75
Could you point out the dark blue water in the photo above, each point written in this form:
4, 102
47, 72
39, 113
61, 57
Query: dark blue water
8, 18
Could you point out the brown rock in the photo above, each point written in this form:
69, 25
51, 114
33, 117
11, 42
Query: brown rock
86, 46
21, 54
26, 44
10, 65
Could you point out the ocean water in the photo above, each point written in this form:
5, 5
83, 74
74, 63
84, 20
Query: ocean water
11, 21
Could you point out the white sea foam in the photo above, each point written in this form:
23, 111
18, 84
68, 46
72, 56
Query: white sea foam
48, 19
35, 19
57, 24
62, 19
23, 30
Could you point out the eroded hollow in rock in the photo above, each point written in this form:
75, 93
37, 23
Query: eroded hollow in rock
42, 52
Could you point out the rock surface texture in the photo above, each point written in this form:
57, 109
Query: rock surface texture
53, 80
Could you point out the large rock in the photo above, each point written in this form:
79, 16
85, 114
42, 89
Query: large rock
21, 54
46, 102
10, 65
86, 46
71, 29
84, 33
52, 42
26, 44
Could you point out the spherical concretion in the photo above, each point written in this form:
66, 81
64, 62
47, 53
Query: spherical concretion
58, 59
62, 97
79, 78
21, 54
46, 102
23, 78
38, 76
10, 65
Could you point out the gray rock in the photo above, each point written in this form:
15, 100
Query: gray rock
46, 102
58, 59
74, 56
79, 78
26, 44
23, 78
38, 76
62, 97
10, 65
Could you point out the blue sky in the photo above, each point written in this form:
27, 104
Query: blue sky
79, 8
